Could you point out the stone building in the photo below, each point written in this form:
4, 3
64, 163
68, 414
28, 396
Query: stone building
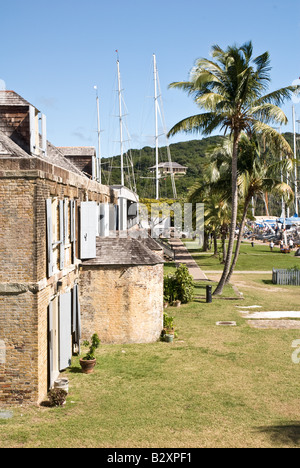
132, 314
51, 218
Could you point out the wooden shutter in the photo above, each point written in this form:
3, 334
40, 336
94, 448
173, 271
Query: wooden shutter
50, 265
88, 229
73, 228
113, 217
66, 219
122, 215
50, 345
65, 341
104, 220
76, 319
61, 234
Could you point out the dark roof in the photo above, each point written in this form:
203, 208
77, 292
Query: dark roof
9, 148
11, 98
123, 251
149, 242
56, 157
77, 150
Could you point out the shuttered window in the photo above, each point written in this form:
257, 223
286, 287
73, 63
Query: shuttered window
73, 228
88, 229
104, 220
61, 234
50, 265
76, 319
65, 338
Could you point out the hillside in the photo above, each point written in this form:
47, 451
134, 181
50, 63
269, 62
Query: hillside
190, 153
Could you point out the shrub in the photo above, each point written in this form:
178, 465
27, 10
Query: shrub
179, 286
57, 396
93, 346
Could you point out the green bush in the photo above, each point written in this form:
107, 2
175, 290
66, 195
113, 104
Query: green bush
179, 286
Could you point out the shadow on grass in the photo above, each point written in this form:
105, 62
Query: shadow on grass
267, 281
75, 370
285, 434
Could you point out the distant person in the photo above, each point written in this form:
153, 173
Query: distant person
252, 243
271, 246
291, 244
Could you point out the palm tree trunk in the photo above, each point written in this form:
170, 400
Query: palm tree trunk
239, 239
205, 242
215, 243
266, 202
221, 284
224, 244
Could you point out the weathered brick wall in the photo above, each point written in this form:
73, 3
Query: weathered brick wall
18, 325
133, 313
17, 235
25, 290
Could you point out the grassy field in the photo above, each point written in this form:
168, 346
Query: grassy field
251, 258
213, 386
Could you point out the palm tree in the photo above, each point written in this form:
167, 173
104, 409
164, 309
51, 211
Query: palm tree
256, 178
231, 90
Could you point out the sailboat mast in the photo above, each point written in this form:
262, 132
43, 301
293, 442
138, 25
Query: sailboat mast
121, 124
156, 126
98, 159
295, 157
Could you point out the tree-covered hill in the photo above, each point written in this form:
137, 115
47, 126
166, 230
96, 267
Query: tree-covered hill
191, 154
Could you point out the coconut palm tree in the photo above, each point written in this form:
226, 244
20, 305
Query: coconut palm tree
257, 178
231, 89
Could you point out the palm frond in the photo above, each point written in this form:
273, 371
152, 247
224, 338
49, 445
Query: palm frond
277, 97
272, 136
200, 123
268, 113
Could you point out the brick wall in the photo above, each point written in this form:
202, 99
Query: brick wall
25, 290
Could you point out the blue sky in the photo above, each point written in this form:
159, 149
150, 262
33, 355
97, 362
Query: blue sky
53, 53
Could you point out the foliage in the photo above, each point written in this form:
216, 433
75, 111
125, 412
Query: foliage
294, 268
230, 88
95, 342
57, 396
168, 322
179, 286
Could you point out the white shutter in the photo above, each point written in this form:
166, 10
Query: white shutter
113, 217
76, 322
49, 237
73, 227
88, 229
51, 345
65, 340
122, 218
66, 220
104, 220
61, 234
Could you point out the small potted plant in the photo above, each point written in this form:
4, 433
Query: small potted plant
168, 330
57, 397
88, 361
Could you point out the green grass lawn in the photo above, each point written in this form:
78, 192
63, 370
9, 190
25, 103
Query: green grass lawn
257, 258
213, 386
